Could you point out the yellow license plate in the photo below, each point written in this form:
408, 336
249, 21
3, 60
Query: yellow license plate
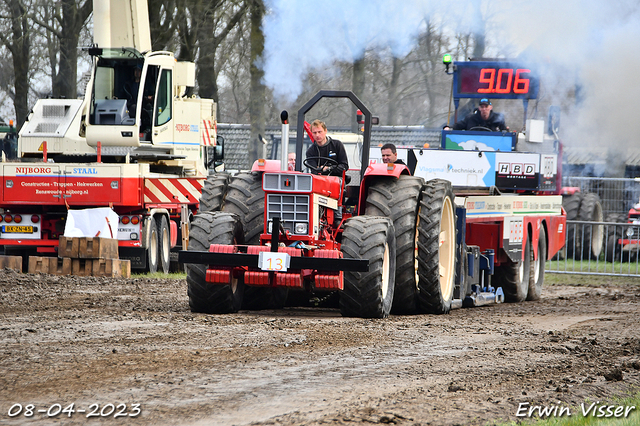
12, 229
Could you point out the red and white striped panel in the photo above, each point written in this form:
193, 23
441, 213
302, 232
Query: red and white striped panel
187, 190
206, 135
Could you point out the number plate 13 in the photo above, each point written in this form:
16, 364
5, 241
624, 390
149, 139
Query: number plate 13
270, 261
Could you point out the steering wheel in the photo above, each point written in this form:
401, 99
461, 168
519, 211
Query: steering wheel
484, 129
328, 162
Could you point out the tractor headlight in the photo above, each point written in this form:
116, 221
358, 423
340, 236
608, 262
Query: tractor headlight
301, 228
630, 232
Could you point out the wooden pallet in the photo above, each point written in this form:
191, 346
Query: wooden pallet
83, 256
11, 262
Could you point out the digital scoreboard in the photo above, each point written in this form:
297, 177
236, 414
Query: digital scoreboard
494, 80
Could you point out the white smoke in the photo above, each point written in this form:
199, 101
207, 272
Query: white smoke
590, 45
301, 36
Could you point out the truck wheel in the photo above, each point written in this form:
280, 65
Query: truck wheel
369, 294
207, 229
513, 277
436, 247
245, 198
536, 277
571, 204
164, 244
152, 249
213, 192
399, 199
592, 236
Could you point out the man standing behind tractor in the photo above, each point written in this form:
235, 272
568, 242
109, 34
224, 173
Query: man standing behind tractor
325, 149
390, 154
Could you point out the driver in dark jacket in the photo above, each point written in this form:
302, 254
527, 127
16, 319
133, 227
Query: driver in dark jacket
326, 147
482, 117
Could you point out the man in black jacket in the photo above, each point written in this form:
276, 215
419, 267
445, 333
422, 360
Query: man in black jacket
484, 117
390, 154
326, 147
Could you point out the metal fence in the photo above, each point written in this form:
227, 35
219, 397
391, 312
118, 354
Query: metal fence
599, 248
617, 195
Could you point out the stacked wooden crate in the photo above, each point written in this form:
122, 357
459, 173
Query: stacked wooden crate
83, 256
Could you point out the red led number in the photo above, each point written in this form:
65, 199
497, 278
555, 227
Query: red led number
487, 76
521, 85
504, 81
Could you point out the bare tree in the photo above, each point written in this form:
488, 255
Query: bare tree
217, 20
162, 24
357, 86
63, 23
18, 42
258, 91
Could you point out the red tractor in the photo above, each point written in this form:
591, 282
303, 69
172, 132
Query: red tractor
381, 238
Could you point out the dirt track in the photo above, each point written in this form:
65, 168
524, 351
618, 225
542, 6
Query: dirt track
101, 341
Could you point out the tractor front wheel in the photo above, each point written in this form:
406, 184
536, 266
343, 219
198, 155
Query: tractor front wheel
207, 229
399, 199
369, 294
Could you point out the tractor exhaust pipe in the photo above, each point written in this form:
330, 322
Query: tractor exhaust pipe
284, 148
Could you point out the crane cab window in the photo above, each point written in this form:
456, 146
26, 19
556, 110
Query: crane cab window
163, 101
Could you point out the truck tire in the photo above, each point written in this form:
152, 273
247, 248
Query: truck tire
514, 277
436, 247
207, 229
164, 245
399, 199
369, 294
213, 192
245, 198
536, 277
592, 236
153, 247
571, 204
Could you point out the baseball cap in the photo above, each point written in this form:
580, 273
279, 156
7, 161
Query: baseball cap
484, 101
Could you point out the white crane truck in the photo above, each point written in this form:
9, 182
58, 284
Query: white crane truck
139, 142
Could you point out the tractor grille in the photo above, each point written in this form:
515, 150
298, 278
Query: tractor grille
291, 209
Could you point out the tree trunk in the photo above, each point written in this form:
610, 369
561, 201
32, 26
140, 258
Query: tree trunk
257, 95
72, 19
357, 88
19, 44
392, 110
162, 30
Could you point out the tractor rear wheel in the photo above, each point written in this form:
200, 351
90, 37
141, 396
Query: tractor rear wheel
592, 236
436, 247
537, 268
207, 229
213, 192
369, 294
399, 200
245, 197
513, 277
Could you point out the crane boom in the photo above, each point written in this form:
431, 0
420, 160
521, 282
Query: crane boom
112, 30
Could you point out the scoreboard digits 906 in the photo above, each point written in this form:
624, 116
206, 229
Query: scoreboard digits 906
497, 80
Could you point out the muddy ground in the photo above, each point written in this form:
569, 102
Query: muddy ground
84, 341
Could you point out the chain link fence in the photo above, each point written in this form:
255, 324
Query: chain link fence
617, 195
